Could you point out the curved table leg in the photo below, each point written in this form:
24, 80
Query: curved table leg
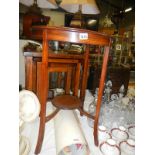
41, 130
42, 95
100, 93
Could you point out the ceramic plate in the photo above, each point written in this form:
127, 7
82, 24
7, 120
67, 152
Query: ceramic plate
29, 106
24, 146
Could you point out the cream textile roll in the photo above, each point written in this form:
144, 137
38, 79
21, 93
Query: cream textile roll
68, 134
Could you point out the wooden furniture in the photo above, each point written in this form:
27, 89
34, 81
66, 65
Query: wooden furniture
119, 76
107, 30
47, 64
31, 19
32, 59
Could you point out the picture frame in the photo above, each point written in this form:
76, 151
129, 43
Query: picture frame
118, 47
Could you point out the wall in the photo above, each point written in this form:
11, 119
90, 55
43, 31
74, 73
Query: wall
57, 18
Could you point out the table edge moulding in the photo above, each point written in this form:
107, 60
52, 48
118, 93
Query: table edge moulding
70, 35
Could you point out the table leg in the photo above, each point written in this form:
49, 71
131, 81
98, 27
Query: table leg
30, 74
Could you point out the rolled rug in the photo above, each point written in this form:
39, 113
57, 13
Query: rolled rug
69, 137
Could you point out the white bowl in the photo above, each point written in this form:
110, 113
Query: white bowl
109, 147
103, 135
29, 106
131, 131
119, 134
127, 147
